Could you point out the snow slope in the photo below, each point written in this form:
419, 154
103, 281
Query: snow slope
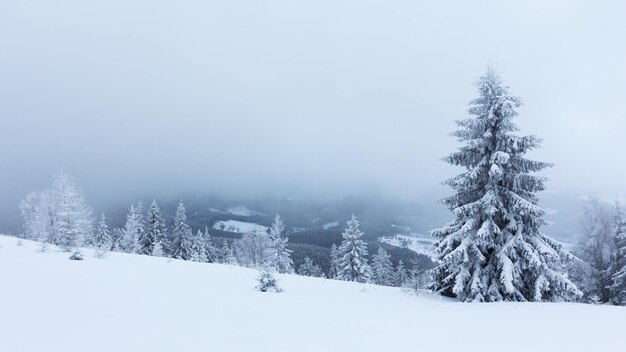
239, 226
136, 303
420, 245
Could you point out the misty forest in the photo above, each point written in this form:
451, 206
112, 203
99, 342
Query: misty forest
185, 230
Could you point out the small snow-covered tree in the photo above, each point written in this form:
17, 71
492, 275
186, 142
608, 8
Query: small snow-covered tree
182, 242
252, 249
199, 253
117, 238
308, 268
617, 289
212, 253
353, 264
494, 250
102, 239
382, 269
595, 249
279, 256
38, 213
228, 255
400, 276
157, 250
267, 282
155, 232
334, 262
133, 229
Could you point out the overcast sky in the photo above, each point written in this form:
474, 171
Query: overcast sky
323, 97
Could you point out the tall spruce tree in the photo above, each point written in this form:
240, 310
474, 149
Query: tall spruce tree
156, 231
618, 284
494, 250
182, 242
353, 264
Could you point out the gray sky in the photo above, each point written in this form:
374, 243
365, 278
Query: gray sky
298, 97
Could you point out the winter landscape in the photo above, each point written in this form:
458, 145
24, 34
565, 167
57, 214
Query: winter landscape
315, 176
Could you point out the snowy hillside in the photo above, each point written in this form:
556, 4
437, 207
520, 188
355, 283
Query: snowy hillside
136, 303
419, 245
239, 226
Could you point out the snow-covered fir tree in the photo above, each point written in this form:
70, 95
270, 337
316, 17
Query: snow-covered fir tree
38, 213
132, 231
279, 256
617, 289
155, 232
596, 250
199, 253
353, 264
401, 276
334, 262
117, 237
253, 249
308, 268
102, 239
211, 251
228, 255
382, 269
267, 282
182, 237
73, 221
494, 250
157, 250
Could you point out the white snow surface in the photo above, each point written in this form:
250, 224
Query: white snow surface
242, 210
420, 245
137, 303
330, 225
239, 226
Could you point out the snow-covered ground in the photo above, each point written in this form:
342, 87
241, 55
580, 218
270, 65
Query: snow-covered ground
330, 225
239, 226
137, 303
242, 210
420, 245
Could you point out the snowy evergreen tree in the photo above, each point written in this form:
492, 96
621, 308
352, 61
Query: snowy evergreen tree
199, 253
155, 232
117, 237
157, 250
102, 240
493, 250
228, 255
308, 268
401, 276
267, 282
617, 289
211, 251
596, 250
334, 262
382, 269
182, 242
253, 249
132, 231
279, 256
353, 255
38, 213
72, 218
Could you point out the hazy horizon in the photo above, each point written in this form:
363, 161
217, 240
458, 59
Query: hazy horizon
288, 99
